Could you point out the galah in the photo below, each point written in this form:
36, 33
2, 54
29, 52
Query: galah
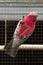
24, 29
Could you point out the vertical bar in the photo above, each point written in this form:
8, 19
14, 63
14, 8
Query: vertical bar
5, 31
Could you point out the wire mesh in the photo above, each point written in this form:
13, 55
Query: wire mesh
23, 56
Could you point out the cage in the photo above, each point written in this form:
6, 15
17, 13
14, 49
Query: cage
11, 11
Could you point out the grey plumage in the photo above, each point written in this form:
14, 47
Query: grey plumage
11, 48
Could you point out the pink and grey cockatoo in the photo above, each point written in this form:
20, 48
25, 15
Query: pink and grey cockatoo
24, 29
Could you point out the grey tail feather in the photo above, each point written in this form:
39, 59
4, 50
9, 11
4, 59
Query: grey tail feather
9, 50
12, 52
8, 45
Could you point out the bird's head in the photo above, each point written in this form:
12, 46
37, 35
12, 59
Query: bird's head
31, 18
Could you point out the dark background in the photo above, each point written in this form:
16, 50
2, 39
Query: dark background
23, 56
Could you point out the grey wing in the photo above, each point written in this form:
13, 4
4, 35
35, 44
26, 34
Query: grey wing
11, 48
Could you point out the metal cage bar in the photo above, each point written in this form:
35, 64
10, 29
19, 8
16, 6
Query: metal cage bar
25, 47
5, 31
